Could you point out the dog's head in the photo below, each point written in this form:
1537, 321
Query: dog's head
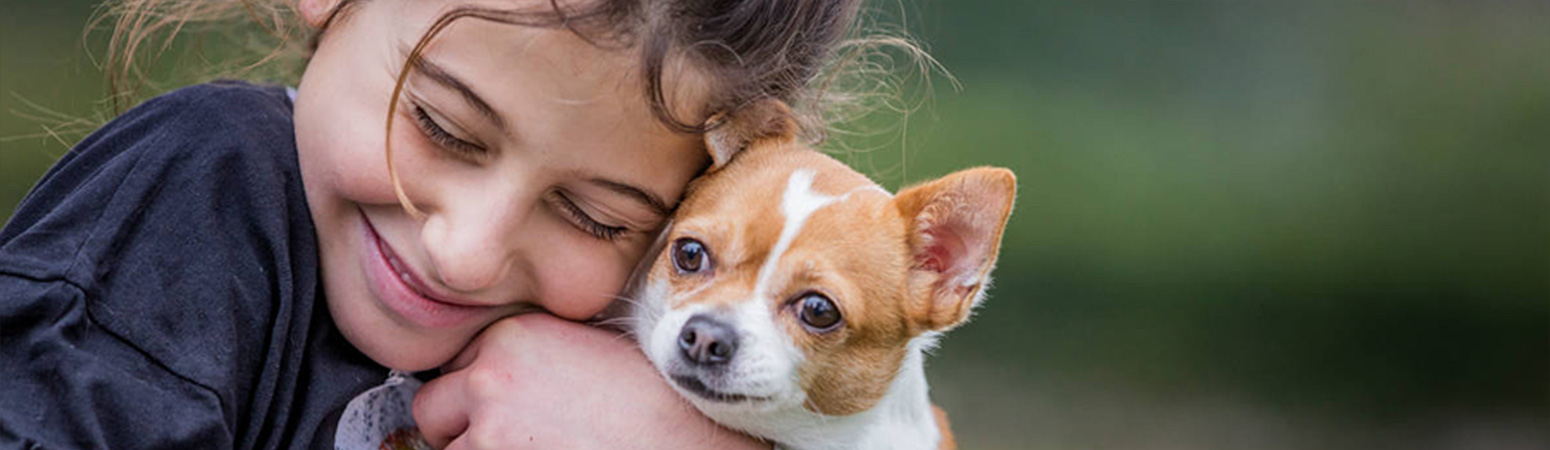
789, 283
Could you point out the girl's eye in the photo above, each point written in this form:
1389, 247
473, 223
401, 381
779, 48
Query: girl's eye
586, 222
689, 255
444, 138
818, 313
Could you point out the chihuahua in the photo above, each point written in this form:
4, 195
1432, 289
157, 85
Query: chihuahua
793, 299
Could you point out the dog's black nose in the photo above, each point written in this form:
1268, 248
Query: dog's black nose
707, 341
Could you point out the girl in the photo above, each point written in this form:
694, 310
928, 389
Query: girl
227, 265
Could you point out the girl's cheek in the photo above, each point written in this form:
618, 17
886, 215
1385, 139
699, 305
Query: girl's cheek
341, 128
339, 166
360, 165
581, 287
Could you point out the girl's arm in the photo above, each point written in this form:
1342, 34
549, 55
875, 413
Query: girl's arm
542, 382
69, 384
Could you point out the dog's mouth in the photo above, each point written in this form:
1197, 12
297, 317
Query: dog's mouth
694, 385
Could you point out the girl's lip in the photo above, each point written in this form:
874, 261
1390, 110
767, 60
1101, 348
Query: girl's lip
400, 289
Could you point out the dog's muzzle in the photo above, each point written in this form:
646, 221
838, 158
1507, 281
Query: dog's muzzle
706, 341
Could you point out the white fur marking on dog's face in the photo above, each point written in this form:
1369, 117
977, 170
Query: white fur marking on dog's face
796, 204
766, 362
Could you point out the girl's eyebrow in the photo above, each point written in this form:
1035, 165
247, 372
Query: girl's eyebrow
424, 66
641, 195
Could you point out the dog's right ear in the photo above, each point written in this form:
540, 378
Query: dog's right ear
732, 132
955, 227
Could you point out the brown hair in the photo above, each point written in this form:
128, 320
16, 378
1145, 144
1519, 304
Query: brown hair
253, 39
807, 53
798, 51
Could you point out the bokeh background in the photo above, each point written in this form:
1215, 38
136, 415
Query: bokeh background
1241, 225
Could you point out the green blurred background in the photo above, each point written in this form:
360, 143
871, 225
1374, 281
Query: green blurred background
1241, 225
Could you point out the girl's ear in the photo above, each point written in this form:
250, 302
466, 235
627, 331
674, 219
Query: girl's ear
955, 225
316, 12
765, 120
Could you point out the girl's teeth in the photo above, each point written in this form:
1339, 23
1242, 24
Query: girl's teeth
398, 267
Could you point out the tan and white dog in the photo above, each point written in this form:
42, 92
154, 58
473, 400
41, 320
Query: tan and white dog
792, 298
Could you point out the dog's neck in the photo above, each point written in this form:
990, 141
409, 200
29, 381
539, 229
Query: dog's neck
902, 419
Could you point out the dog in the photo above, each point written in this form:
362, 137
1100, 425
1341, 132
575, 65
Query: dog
792, 298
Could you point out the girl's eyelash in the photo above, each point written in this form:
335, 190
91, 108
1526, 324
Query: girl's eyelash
591, 226
442, 137
445, 139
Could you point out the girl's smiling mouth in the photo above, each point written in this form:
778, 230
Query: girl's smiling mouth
401, 290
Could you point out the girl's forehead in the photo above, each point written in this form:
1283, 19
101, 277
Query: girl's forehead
562, 68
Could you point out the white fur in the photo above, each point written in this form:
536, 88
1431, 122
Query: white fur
767, 365
796, 205
902, 419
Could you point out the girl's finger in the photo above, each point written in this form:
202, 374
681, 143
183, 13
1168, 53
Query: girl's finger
461, 443
440, 409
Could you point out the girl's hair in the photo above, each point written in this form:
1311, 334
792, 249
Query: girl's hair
804, 52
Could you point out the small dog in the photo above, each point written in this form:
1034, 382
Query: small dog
792, 298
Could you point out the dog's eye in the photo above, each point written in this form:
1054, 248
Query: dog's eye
689, 255
818, 313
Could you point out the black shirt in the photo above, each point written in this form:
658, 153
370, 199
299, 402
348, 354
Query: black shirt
159, 288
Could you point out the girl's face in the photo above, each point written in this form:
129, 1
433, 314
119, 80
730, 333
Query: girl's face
539, 167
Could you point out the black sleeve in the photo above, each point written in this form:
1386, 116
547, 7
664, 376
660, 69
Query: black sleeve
146, 281
71, 384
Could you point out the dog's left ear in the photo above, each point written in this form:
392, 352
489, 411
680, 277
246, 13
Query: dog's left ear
731, 132
955, 227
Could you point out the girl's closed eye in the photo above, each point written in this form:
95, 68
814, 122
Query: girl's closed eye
579, 217
444, 138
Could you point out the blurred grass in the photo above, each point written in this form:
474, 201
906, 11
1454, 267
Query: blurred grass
1240, 224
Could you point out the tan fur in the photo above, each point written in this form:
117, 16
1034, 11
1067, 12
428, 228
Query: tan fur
732, 132
947, 443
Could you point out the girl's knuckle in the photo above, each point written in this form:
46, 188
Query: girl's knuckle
489, 436
486, 382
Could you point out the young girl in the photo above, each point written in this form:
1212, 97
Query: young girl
227, 265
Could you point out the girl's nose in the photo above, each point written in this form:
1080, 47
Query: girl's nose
471, 242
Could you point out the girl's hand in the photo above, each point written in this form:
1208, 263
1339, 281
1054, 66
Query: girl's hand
536, 381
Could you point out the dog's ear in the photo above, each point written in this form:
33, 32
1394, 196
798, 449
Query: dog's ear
731, 132
955, 225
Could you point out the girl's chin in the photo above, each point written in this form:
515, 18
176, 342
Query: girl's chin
412, 356
392, 346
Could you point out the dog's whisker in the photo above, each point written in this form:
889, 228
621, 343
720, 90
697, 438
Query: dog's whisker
625, 335
641, 306
625, 322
